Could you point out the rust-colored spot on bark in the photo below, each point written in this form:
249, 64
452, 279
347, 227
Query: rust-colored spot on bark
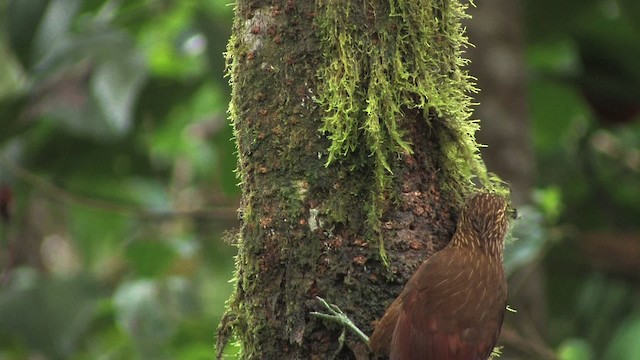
360, 242
313, 290
410, 160
289, 59
336, 242
271, 30
291, 5
265, 222
360, 260
418, 210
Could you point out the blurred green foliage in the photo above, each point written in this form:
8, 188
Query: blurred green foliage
118, 157
584, 86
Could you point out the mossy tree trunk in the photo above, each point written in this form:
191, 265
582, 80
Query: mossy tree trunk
355, 150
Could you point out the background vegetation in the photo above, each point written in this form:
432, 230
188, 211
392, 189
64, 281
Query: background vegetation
117, 183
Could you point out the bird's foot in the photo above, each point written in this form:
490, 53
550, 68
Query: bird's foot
337, 316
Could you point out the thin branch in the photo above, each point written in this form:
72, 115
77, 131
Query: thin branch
59, 194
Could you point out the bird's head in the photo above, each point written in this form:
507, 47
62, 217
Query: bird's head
484, 221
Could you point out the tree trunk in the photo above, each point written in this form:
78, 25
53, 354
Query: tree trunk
497, 60
355, 151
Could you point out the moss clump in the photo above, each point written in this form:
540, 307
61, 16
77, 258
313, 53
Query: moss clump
408, 57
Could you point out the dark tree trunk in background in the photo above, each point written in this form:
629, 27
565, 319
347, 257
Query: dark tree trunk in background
497, 60
310, 227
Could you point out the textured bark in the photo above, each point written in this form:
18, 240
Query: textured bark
304, 231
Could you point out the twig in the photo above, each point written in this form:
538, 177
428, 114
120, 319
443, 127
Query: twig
62, 195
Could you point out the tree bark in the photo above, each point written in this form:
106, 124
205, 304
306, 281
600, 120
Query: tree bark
354, 141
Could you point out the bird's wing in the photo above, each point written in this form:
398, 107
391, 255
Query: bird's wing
446, 319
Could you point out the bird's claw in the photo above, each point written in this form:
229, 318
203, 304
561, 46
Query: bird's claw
336, 315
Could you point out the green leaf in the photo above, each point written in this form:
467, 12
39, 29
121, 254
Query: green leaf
557, 110
575, 349
115, 85
550, 202
625, 344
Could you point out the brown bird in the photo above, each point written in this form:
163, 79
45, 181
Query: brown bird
452, 307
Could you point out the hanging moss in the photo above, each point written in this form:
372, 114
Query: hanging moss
409, 57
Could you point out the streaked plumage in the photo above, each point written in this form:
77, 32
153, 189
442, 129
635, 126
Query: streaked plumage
452, 307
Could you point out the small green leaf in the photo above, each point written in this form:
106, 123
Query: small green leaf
625, 344
575, 349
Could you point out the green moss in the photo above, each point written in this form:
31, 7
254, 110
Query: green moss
231, 320
409, 57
